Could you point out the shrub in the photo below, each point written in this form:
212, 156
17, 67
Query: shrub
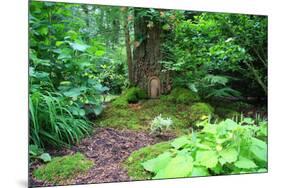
182, 95
199, 111
159, 124
63, 168
224, 148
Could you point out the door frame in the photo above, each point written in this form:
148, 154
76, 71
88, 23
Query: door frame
149, 85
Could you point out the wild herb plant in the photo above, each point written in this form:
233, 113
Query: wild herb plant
226, 147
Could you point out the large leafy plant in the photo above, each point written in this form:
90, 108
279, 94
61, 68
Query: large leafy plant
227, 147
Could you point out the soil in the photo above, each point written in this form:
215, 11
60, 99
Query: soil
108, 148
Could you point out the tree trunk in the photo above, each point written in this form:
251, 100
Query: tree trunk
147, 54
128, 47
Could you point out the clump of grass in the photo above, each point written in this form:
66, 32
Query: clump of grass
63, 168
133, 163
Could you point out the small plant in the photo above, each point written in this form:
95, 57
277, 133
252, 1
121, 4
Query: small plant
37, 153
159, 124
63, 168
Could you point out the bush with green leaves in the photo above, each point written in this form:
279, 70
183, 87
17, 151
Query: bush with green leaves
227, 147
160, 124
63, 168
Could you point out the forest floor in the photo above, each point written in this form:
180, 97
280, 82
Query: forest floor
120, 132
108, 148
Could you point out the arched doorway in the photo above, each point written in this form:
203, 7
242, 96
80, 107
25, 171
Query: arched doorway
154, 87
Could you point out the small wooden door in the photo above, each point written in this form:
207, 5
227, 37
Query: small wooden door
154, 88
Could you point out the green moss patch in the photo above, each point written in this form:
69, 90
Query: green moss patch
63, 168
133, 163
198, 111
131, 95
140, 118
182, 95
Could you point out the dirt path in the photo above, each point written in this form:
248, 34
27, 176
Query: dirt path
108, 148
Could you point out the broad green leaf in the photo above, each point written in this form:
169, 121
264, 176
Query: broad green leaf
158, 163
208, 159
98, 109
45, 157
229, 124
180, 166
99, 53
100, 88
248, 120
43, 30
58, 43
199, 171
35, 150
79, 47
180, 142
245, 163
72, 93
229, 155
259, 149
262, 170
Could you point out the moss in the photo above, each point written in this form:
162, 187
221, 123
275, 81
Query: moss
139, 119
182, 95
199, 110
133, 162
131, 95
134, 94
63, 168
119, 118
120, 102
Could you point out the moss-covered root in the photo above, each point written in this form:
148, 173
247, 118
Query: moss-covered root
63, 168
133, 163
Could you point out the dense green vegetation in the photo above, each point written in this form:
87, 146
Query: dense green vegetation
200, 77
63, 168
227, 147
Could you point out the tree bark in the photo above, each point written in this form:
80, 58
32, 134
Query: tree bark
147, 53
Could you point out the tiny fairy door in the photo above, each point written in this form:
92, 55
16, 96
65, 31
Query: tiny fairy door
154, 87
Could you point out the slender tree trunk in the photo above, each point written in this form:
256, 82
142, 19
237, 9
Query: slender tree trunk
147, 53
128, 46
257, 77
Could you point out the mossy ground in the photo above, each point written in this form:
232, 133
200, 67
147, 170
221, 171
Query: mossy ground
133, 163
139, 116
63, 168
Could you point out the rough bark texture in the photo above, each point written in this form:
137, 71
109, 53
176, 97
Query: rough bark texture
147, 54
